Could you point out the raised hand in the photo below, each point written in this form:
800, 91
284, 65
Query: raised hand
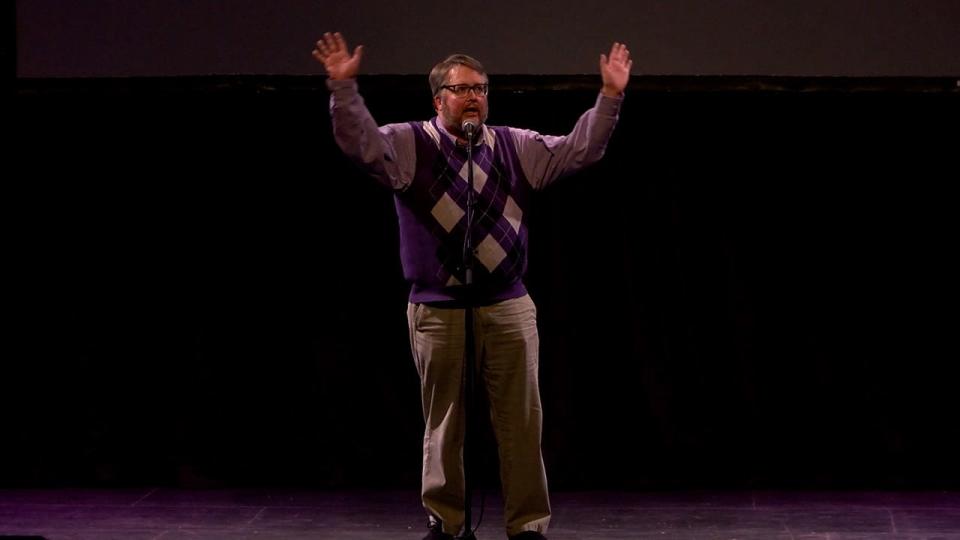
615, 70
332, 52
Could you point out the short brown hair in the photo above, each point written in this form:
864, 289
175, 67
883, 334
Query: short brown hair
440, 71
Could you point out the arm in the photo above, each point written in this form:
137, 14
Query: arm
388, 153
546, 158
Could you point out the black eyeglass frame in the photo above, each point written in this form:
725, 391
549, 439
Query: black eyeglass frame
478, 89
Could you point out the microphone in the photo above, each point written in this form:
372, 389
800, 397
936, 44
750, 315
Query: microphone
469, 128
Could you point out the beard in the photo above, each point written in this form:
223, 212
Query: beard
453, 121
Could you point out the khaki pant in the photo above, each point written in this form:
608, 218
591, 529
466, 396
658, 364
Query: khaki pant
507, 356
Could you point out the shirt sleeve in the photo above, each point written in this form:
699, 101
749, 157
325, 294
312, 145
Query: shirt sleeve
545, 158
388, 153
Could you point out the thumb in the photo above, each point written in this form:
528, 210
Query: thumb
603, 60
358, 52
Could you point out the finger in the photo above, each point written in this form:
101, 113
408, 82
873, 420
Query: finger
358, 52
322, 48
341, 43
629, 65
603, 60
613, 50
326, 44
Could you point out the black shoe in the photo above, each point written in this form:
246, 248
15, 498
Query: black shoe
528, 535
436, 530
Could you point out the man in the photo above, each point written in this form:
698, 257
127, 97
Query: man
425, 165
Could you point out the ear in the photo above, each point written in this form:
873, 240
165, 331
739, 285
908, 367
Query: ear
436, 104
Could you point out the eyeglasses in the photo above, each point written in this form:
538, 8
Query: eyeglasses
461, 90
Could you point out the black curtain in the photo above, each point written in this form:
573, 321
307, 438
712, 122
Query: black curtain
754, 288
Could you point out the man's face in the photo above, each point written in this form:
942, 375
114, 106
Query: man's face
453, 110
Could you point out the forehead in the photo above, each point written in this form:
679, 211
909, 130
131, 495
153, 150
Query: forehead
460, 74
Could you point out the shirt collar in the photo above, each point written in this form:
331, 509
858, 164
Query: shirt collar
484, 134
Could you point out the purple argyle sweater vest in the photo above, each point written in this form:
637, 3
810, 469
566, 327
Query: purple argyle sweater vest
432, 218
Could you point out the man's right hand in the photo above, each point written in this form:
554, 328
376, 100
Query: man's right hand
333, 53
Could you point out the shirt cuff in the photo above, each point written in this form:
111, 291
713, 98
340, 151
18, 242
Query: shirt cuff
341, 84
609, 106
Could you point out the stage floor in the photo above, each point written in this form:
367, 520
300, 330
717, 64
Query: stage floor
167, 514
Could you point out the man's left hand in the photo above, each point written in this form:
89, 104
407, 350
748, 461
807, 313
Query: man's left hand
615, 70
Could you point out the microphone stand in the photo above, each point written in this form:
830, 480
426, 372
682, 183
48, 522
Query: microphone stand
469, 347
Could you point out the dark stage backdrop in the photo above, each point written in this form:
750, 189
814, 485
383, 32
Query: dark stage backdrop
118, 38
755, 288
